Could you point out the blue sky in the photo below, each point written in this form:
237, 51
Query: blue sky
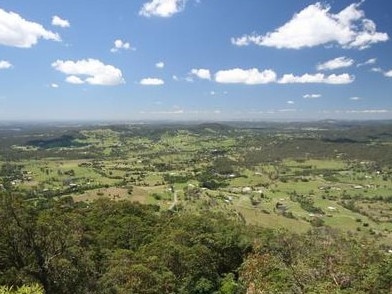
195, 60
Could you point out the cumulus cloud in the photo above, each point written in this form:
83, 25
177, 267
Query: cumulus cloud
90, 71
245, 76
15, 31
58, 21
317, 78
5, 64
151, 82
388, 73
311, 96
254, 76
160, 64
54, 85
201, 73
316, 25
355, 98
339, 62
162, 8
119, 44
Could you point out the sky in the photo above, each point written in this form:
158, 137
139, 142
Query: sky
205, 60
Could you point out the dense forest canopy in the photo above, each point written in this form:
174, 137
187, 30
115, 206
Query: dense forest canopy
122, 247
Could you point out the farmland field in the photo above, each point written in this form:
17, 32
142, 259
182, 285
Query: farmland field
315, 174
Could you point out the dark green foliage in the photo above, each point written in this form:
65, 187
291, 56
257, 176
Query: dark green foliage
63, 141
211, 180
42, 246
116, 247
10, 173
306, 203
120, 247
223, 166
322, 261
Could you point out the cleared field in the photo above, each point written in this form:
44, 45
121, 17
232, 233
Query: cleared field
277, 178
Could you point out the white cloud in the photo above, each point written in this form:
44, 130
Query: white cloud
91, 71
376, 69
290, 102
254, 76
162, 8
201, 73
151, 82
368, 62
287, 110
160, 64
339, 62
58, 21
368, 111
317, 78
54, 85
5, 64
15, 31
174, 110
380, 70
316, 25
312, 96
119, 44
250, 76
355, 98
74, 80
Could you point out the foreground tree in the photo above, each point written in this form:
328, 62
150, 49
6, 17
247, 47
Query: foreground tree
321, 261
122, 247
41, 246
